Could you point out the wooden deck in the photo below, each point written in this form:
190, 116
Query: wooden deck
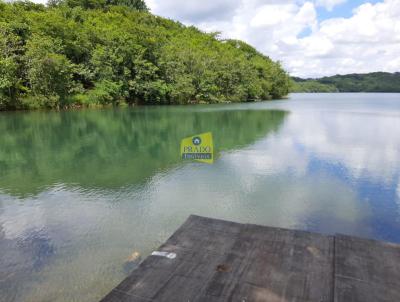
224, 261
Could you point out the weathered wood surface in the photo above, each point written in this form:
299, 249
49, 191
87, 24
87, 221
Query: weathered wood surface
366, 270
225, 261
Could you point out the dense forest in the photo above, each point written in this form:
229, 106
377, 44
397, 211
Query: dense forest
370, 82
76, 53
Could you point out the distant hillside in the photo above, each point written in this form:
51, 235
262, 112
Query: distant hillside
370, 82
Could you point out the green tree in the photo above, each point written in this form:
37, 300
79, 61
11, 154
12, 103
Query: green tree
136, 4
49, 72
10, 82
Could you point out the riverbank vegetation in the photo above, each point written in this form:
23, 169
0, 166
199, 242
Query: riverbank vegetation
300, 85
74, 53
370, 82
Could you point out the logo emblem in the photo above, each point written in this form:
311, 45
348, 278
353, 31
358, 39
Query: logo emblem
199, 148
196, 140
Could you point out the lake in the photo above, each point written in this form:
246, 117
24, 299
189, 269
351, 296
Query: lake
80, 191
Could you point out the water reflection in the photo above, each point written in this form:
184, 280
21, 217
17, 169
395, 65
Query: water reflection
105, 184
79, 188
113, 148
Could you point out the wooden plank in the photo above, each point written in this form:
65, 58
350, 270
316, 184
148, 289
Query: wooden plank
198, 244
218, 261
366, 270
225, 261
117, 296
270, 264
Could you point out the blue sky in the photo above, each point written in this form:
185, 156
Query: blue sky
311, 38
343, 10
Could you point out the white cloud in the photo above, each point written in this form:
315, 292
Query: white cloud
367, 41
329, 4
270, 15
195, 11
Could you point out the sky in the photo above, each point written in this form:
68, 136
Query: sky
311, 38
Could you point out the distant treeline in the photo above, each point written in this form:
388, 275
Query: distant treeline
370, 82
98, 52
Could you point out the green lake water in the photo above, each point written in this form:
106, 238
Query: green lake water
80, 191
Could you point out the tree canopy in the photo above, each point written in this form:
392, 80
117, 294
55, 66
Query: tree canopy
99, 52
300, 85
